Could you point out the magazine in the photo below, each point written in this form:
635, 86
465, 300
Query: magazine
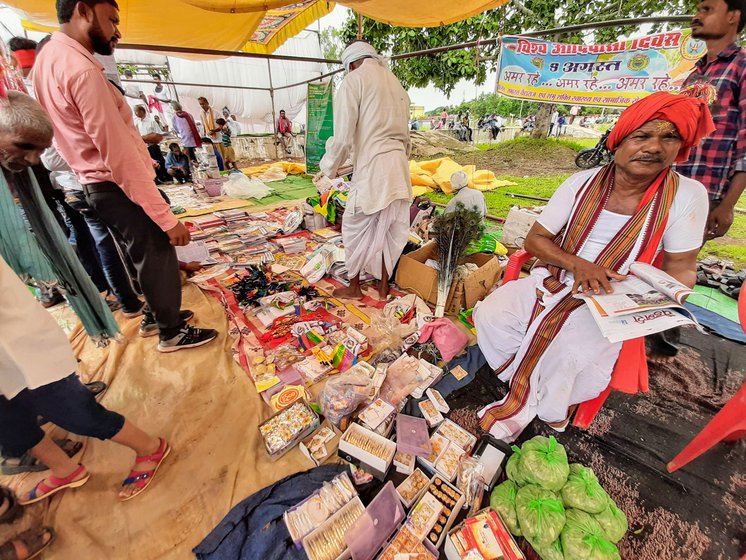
646, 302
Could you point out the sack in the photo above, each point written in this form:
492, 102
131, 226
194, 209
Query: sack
540, 513
513, 466
544, 462
613, 522
240, 186
502, 500
550, 552
582, 538
582, 490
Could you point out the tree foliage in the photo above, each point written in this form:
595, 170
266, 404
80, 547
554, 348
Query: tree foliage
444, 70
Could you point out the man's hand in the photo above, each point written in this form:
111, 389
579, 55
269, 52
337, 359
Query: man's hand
153, 138
592, 278
179, 235
719, 221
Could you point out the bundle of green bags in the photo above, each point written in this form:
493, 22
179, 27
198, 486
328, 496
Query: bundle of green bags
561, 509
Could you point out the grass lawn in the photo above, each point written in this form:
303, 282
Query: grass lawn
531, 152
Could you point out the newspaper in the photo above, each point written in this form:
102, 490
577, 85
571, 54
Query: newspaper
646, 302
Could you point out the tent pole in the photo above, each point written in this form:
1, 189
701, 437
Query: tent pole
274, 118
359, 27
170, 77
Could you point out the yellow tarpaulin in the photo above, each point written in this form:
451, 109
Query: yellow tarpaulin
436, 174
250, 25
287, 166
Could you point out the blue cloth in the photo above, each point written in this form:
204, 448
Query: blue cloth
717, 323
254, 529
173, 160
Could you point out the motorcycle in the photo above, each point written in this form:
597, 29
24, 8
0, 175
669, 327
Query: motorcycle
596, 156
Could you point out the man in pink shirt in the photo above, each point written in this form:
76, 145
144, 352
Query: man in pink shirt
284, 131
95, 134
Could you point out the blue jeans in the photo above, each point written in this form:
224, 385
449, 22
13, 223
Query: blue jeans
66, 403
106, 250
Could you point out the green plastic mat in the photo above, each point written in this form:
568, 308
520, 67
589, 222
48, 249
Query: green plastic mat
716, 301
292, 187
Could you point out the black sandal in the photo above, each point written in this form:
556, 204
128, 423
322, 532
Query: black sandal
10, 504
27, 463
33, 540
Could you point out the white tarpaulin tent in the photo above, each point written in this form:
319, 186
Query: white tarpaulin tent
253, 108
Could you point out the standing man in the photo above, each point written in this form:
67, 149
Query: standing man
371, 118
152, 136
210, 127
284, 131
719, 162
186, 129
94, 133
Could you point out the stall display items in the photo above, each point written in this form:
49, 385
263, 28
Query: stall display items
424, 515
322, 444
482, 536
450, 500
376, 413
327, 542
430, 413
457, 435
412, 487
368, 450
376, 526
406, 544
404, 462
577, 520
492, 454
428, 375
471, 482
438, 444
288, 427
438, 401
447, 463
412, 436
303, 518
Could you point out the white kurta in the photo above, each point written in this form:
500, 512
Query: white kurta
577, 364
34, 350
371, 122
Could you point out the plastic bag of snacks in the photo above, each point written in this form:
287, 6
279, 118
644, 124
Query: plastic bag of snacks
544, 462
540, 513
613, 522
550, 552
582, 490
583, 538
502, 500
342, 394
513, 466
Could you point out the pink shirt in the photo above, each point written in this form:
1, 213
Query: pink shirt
93, 127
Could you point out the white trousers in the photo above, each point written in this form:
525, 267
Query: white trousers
372, 239
575, 367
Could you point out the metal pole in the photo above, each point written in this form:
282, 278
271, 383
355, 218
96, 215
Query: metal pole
211, 52
359, 27
198, 85
170, 76
274, 118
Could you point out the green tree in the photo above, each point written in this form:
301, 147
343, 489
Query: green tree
444, 70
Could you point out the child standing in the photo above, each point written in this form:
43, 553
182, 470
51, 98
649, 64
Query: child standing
229, 155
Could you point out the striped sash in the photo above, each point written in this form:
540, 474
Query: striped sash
644, 226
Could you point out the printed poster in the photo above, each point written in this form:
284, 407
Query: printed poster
319, 123
607, 75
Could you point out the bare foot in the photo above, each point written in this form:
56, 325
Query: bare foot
31, 542
383, 290
350, 292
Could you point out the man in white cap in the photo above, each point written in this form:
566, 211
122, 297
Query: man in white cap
371, 122
472, 199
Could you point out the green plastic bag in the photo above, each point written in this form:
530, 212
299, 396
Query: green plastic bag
540, 513
550, 552
613, 522
544, 462
582, 490
583, 538
502, 500
513, 466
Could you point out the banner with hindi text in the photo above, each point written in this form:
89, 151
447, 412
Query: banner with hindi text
319, 123
608, 75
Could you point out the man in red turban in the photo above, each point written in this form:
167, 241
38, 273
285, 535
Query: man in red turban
533, 331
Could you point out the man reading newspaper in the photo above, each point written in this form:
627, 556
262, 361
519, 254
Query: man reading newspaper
533, 331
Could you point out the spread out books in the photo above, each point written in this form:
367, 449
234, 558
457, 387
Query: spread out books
646, 302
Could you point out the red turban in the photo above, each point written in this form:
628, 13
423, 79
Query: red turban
690, 115
25, 57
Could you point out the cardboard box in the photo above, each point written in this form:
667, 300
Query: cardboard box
413, 274
518, 223
377, 466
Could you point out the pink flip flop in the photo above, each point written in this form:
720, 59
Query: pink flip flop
51, 485
142, 479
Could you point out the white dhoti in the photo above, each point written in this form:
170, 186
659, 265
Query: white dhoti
575, 367
373, 239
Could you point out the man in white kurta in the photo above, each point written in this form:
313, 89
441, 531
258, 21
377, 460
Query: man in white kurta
371, 117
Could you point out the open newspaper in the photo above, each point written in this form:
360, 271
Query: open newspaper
646, 302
